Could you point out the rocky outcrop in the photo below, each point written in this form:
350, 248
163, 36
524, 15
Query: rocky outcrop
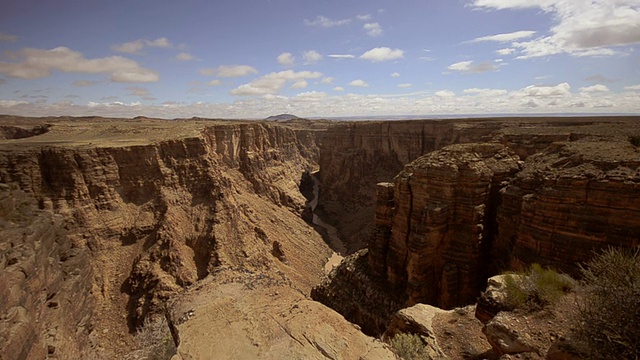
493, 299
45, 284
438, 227
359, 295
540, 333
262, 317
418, 319
158, 216
356, 156
506, 340
568, 201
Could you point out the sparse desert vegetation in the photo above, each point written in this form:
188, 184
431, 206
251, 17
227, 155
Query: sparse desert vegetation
409, 346
608, 312
536, 287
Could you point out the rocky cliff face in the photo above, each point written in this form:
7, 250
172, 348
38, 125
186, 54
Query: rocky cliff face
356, 156
457, 215
45, 284
157, 217
568, 201
433, 237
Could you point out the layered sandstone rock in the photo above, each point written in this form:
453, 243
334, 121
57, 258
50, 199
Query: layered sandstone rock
440, 224
45, 284
158, 216
356, 156
568, 201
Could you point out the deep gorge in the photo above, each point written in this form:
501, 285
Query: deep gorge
208, 211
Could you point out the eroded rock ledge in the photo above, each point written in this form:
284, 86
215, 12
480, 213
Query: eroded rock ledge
455, 216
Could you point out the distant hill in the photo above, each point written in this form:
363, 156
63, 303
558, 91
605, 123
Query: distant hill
282, 117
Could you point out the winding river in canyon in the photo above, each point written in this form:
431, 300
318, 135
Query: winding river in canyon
330, 233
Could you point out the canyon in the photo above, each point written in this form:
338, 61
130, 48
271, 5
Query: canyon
108, 223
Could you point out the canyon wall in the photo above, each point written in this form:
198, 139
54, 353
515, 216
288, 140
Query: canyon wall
356, 156
570, 200
45, 284
434, 234
156, 217
538, 193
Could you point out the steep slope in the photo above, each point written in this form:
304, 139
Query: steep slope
157, 216
45, 282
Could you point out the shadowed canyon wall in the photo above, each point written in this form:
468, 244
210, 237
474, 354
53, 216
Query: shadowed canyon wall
539, 192
356, 156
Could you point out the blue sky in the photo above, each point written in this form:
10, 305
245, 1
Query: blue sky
326, 58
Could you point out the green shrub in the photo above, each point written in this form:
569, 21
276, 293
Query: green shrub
409, 347
608, 315
536, 287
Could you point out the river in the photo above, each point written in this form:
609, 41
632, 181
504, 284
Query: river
331, 233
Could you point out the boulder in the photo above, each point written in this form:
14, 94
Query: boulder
506, 340
418, 319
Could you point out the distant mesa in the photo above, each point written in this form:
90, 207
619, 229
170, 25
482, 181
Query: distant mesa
282, 117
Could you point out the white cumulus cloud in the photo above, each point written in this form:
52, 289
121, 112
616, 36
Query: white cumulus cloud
300, 84
373, 29
327, 80
183, 56
382, 54
311, 56
135, 47
286, 59
505, 51
38, 63
581, 28
560, 90
395, 74
470, 67
359, 83
406, 85
229, 71
445, 94
273, 82
508, 37
338, 88
594, 88
484, 92
632, 87
341, 56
